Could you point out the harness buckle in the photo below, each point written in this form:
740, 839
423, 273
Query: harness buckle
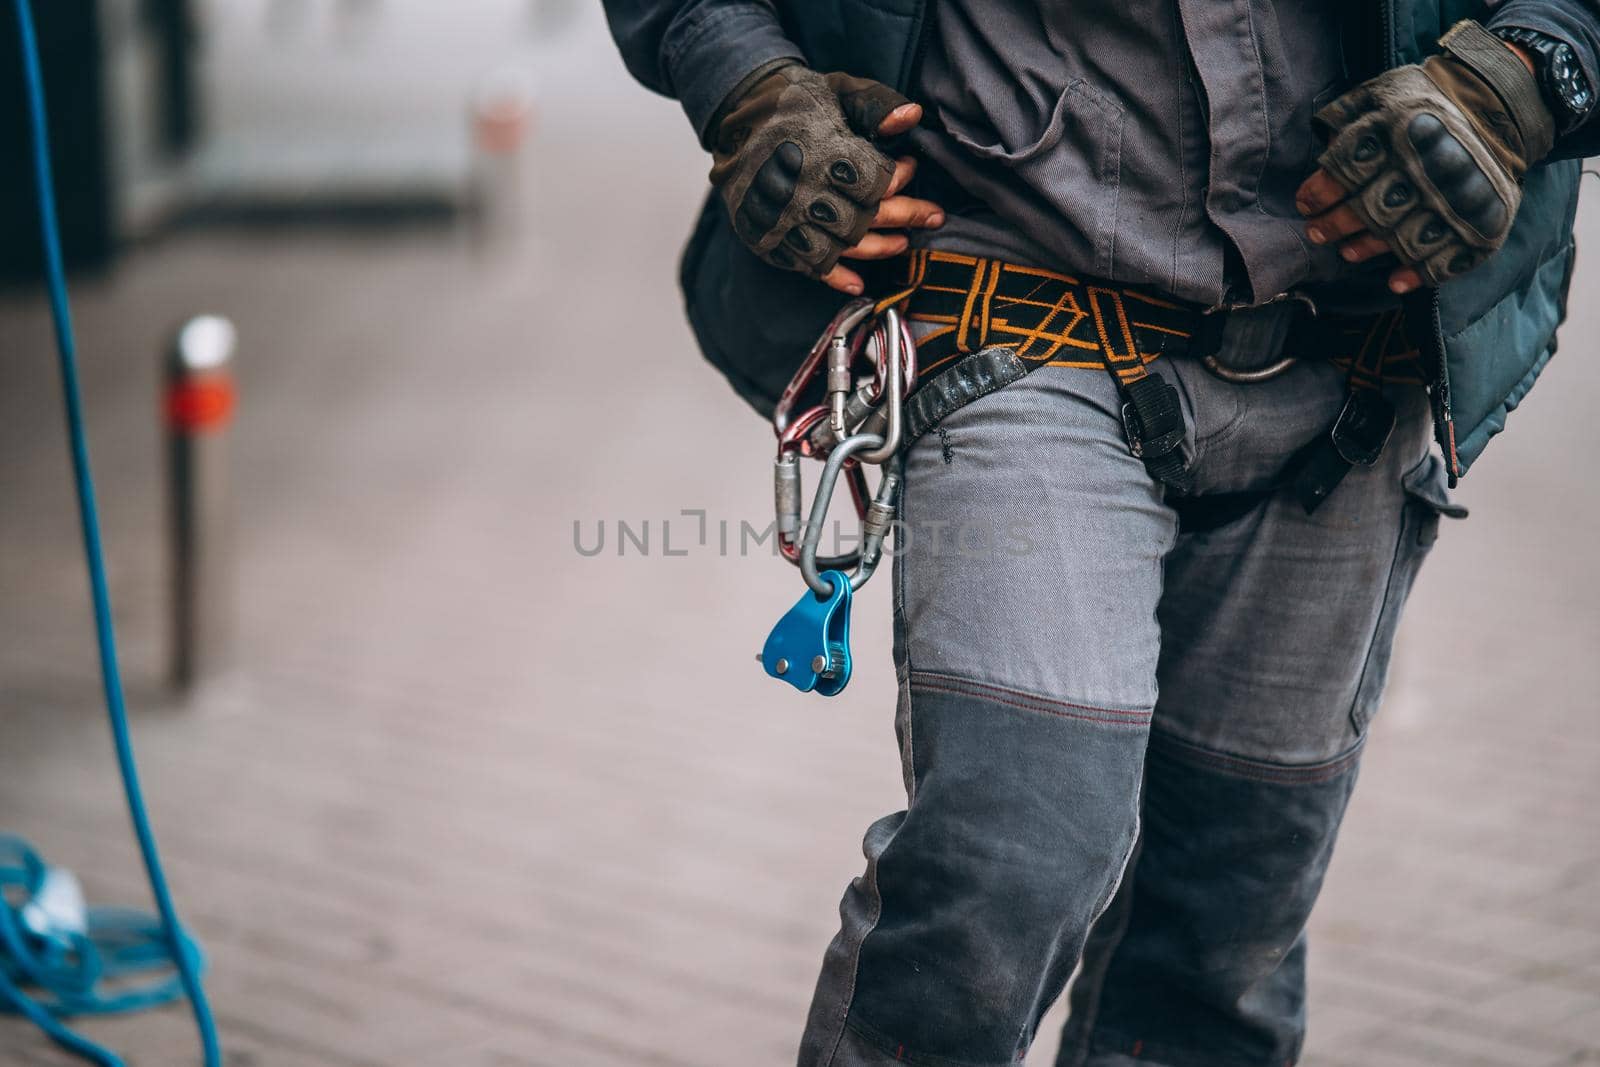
1152, 418
1363, 428
1358, 438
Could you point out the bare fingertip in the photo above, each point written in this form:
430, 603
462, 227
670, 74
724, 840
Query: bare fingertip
936, 220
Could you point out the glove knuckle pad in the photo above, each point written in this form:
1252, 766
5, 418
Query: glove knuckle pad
790, 158
824, 212
1358, 154
806, 249
748, 227
868, 170
776, 179
769, 194
838, 216
1431, 230
799, 240
1449, 263
1386, 201
1457, 176
1420, 236
1478, 205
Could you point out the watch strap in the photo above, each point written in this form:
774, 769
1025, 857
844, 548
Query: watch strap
1566, 87
1488, 57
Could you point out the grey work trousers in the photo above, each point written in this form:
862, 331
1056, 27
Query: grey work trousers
1124, 744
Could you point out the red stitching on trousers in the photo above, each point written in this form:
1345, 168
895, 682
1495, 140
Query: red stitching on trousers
953, 680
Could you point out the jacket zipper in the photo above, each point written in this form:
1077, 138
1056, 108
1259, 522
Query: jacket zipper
1444, 426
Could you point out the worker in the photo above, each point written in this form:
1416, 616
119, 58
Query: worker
1196, 288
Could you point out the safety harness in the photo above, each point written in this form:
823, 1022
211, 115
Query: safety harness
989, 323
869, 389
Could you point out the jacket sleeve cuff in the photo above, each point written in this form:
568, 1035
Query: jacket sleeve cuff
708, 55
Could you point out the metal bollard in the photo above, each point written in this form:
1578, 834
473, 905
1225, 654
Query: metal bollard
199, 401
502, 117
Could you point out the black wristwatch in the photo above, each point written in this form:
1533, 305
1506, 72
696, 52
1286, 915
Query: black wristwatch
1566, 89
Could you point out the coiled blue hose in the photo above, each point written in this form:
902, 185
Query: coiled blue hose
66, 973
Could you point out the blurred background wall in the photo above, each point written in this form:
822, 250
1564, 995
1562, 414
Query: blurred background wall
460, 793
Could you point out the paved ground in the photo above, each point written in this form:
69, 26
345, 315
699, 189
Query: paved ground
470, 798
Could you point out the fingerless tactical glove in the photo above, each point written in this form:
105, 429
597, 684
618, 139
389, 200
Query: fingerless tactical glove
1432, 154
796, 168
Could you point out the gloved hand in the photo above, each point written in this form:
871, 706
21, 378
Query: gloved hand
803, 182
1426, 160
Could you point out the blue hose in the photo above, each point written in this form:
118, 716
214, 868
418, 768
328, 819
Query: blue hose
69, 974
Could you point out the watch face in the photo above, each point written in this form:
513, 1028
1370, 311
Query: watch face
1569, 81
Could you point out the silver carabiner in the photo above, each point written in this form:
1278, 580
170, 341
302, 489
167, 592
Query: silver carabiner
890, 337
1251, 376
859, 424
880, 515
1248, 377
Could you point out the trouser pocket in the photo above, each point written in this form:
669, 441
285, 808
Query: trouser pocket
1426, 502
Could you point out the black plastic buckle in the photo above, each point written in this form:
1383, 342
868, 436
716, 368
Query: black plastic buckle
1358, 438
1152, 418
1364, 427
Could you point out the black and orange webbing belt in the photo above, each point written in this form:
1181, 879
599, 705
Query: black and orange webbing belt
993, 322
987, 323
1046, 318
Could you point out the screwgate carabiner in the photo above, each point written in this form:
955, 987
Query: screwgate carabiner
838, 334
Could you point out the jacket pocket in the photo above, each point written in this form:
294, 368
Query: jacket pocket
1426, 503
1075, 162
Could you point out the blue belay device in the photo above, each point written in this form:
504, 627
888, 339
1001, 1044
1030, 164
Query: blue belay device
810, 646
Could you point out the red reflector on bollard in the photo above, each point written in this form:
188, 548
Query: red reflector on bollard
502, 112
200, 404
